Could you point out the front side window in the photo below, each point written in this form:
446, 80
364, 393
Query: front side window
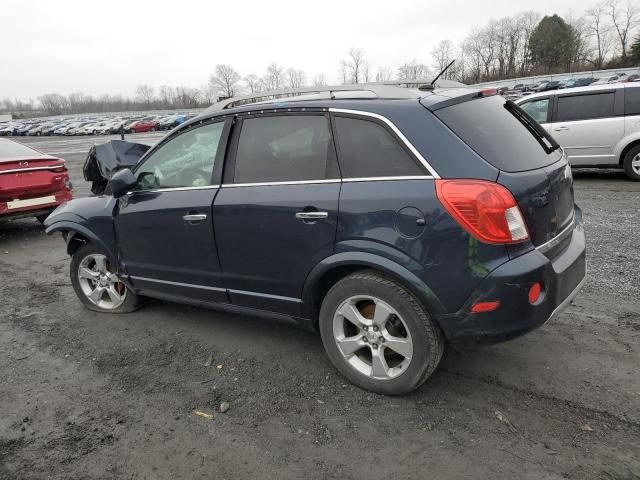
367, 149
184, 161
538, 109
284, 148
585, 107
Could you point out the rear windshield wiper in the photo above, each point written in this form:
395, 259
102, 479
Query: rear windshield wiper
544, 139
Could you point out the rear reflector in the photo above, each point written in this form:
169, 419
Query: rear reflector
482, 307
534, 292
486, 210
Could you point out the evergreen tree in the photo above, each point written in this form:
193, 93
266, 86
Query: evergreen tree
551, 43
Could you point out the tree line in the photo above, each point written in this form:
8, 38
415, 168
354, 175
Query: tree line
514, 46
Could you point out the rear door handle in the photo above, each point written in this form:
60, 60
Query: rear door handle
194, 217
561, 129
311, 215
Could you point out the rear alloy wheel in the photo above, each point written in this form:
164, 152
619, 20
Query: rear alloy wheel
378, 334
95, 281
631, 163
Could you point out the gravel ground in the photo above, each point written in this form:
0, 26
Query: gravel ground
87, 395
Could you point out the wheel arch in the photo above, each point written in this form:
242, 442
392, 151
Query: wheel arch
338, 266
76, 235
625, 150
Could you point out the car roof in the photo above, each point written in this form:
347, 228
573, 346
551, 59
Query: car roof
366, 97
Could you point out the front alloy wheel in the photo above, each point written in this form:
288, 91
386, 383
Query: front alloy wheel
96, 283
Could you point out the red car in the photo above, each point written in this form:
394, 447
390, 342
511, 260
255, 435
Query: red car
145, 126
32, 184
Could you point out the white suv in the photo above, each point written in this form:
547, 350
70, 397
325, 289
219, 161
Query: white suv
597, 126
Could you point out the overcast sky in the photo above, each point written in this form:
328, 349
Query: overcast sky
93, 47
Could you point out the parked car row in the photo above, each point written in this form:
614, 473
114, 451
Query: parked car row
521, 89
92, 125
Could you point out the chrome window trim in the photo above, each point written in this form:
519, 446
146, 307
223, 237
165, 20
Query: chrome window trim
396, 130
31, 169
344, 180
174, 189
386, 179
545, 247
293, 182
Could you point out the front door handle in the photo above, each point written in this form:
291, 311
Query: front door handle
561, 129
194, 217
311, 215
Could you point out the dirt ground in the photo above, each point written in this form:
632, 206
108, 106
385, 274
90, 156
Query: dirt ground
93, 396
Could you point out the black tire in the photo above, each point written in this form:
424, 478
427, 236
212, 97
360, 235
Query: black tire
426, 337
626, 163
131, 301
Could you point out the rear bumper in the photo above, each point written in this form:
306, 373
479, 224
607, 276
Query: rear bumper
35, 210
563, 276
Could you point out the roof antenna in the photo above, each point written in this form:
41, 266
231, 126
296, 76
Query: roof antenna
431, 85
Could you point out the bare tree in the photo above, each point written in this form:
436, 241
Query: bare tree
413, 71
225, 81
384, 74
53, 103
599, 31
274, 78
295, 78
165, 95
624, 21
579, 48
320, 80
442, 54
344, 72
145, 94
253, 83
527, 22
356, 65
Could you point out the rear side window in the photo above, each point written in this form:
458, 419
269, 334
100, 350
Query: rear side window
285, 148
585, 107
367, 149
496, 134
538, 109
632, 101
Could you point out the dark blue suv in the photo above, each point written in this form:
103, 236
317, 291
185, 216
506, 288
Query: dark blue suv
392, 221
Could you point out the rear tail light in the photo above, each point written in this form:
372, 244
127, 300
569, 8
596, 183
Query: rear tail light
486, 210
487, 92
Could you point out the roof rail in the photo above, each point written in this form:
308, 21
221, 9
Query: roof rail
391, 90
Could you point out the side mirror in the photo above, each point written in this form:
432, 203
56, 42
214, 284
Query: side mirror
122, 182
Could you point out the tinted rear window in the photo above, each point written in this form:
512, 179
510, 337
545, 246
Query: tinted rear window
285, 148
9, 149
632, 101
368, 149
496, 134
585, 107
